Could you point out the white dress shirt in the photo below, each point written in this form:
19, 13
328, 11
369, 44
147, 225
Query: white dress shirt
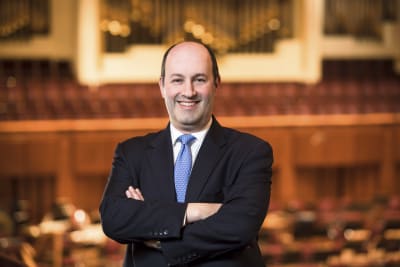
195, 147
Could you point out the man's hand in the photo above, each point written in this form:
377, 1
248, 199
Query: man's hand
200, 211
134, 193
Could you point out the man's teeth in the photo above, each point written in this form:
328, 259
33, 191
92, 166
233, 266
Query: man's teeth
187, 104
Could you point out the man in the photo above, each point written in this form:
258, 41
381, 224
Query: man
210, 219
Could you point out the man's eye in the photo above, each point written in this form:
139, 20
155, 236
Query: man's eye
177, 81
200, 80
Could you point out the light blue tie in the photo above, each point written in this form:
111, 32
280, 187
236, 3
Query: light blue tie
183, 166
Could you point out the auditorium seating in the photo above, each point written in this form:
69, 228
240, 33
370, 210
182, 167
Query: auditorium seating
356, 234
44, 89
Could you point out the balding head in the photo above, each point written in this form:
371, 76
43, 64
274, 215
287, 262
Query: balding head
200, 46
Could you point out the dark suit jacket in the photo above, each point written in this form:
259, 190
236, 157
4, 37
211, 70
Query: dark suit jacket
232, 168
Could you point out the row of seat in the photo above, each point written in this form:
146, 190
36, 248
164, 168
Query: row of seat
58, 95
333, 233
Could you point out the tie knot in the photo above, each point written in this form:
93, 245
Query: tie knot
186, 139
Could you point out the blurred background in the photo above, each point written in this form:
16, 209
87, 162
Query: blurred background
318, 79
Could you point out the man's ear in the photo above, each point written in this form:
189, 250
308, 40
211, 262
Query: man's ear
162, 88
217, 83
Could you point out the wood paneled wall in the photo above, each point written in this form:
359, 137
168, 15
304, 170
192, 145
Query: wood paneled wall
341, 157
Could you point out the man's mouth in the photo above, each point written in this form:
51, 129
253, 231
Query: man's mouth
188, 103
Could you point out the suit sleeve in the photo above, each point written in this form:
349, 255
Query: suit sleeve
128, 220
238, 221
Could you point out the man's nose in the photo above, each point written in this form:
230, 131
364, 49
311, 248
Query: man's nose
189, 90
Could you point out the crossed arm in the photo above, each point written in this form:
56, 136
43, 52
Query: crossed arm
194, 211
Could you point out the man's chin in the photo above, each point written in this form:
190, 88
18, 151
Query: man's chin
190, 124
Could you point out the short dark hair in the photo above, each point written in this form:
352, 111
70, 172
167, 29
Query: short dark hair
214, 63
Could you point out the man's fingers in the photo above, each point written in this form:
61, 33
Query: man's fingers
139, 194
201, 211
134, 193
128, 194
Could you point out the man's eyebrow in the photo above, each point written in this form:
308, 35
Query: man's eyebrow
175, 75
200, 75
194, 76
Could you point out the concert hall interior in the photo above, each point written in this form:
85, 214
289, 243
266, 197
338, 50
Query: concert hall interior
318, 79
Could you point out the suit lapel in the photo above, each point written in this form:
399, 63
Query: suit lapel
209, 154
160, 158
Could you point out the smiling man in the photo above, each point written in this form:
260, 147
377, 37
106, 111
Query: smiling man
188, 86
194, 193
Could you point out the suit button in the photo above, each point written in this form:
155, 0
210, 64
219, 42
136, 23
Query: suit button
165, 232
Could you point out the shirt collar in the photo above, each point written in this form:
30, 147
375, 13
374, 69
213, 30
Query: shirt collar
175, 133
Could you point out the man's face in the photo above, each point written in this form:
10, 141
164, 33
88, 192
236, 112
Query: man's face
189, 87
